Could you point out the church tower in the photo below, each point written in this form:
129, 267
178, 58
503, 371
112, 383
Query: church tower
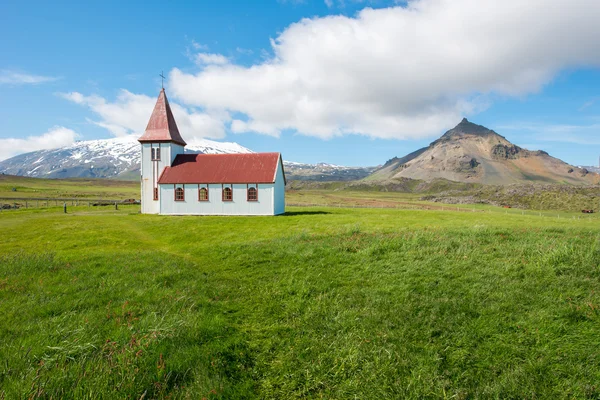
161, 142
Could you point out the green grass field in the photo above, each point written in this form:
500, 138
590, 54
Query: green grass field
320, 303
22, 187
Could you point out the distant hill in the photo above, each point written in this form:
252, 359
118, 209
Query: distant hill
475, 154
591, 168
322, 172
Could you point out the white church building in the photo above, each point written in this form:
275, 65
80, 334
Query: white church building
174, 183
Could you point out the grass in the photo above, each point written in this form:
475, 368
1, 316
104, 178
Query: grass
319, 303
23, 187
404, 193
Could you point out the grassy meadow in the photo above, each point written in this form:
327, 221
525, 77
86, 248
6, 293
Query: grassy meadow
34, 188
322, 302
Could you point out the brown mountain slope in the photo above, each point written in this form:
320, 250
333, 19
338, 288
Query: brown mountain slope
473, 153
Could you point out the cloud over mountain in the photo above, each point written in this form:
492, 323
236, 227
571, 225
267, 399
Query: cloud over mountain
56, 137
10, 77
401, 72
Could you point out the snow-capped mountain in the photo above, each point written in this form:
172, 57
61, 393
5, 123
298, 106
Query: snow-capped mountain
105, 158
119, 158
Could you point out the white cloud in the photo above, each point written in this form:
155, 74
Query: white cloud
402, 72
9, 77
589, 103
58, 136
246, 52
210, 58
199, 46
129, 114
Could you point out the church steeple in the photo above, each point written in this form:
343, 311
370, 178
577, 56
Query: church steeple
162, 127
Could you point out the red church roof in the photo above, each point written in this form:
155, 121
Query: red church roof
162, 126
222, 168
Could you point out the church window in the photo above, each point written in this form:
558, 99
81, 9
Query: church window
203, 194
227, 194
179, 194
155, 153
252, 194
155, 193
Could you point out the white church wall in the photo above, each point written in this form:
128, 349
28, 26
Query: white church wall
215, 205
149, 206
151, 171
279, 192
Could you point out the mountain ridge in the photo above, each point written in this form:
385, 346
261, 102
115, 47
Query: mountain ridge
119, 158
468, 153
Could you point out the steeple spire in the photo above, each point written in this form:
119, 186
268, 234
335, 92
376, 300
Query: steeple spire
162, 126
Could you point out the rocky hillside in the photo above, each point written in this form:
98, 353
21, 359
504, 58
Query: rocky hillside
475, 154
525, 196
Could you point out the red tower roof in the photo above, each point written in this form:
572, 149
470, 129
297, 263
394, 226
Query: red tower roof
162, 126
222, 168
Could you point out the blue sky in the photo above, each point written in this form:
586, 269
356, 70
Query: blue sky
346, 82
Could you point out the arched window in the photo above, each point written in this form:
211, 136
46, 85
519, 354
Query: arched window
179, 194
252, 194
203, 194
155, 153
227, 194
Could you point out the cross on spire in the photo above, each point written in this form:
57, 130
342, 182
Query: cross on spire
162, 82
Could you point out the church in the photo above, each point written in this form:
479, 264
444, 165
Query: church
175, 183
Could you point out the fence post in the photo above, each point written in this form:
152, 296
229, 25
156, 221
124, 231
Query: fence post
65, 207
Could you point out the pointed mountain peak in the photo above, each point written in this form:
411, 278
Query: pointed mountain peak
162, 126
466, 127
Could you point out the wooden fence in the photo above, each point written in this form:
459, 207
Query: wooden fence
13, 203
